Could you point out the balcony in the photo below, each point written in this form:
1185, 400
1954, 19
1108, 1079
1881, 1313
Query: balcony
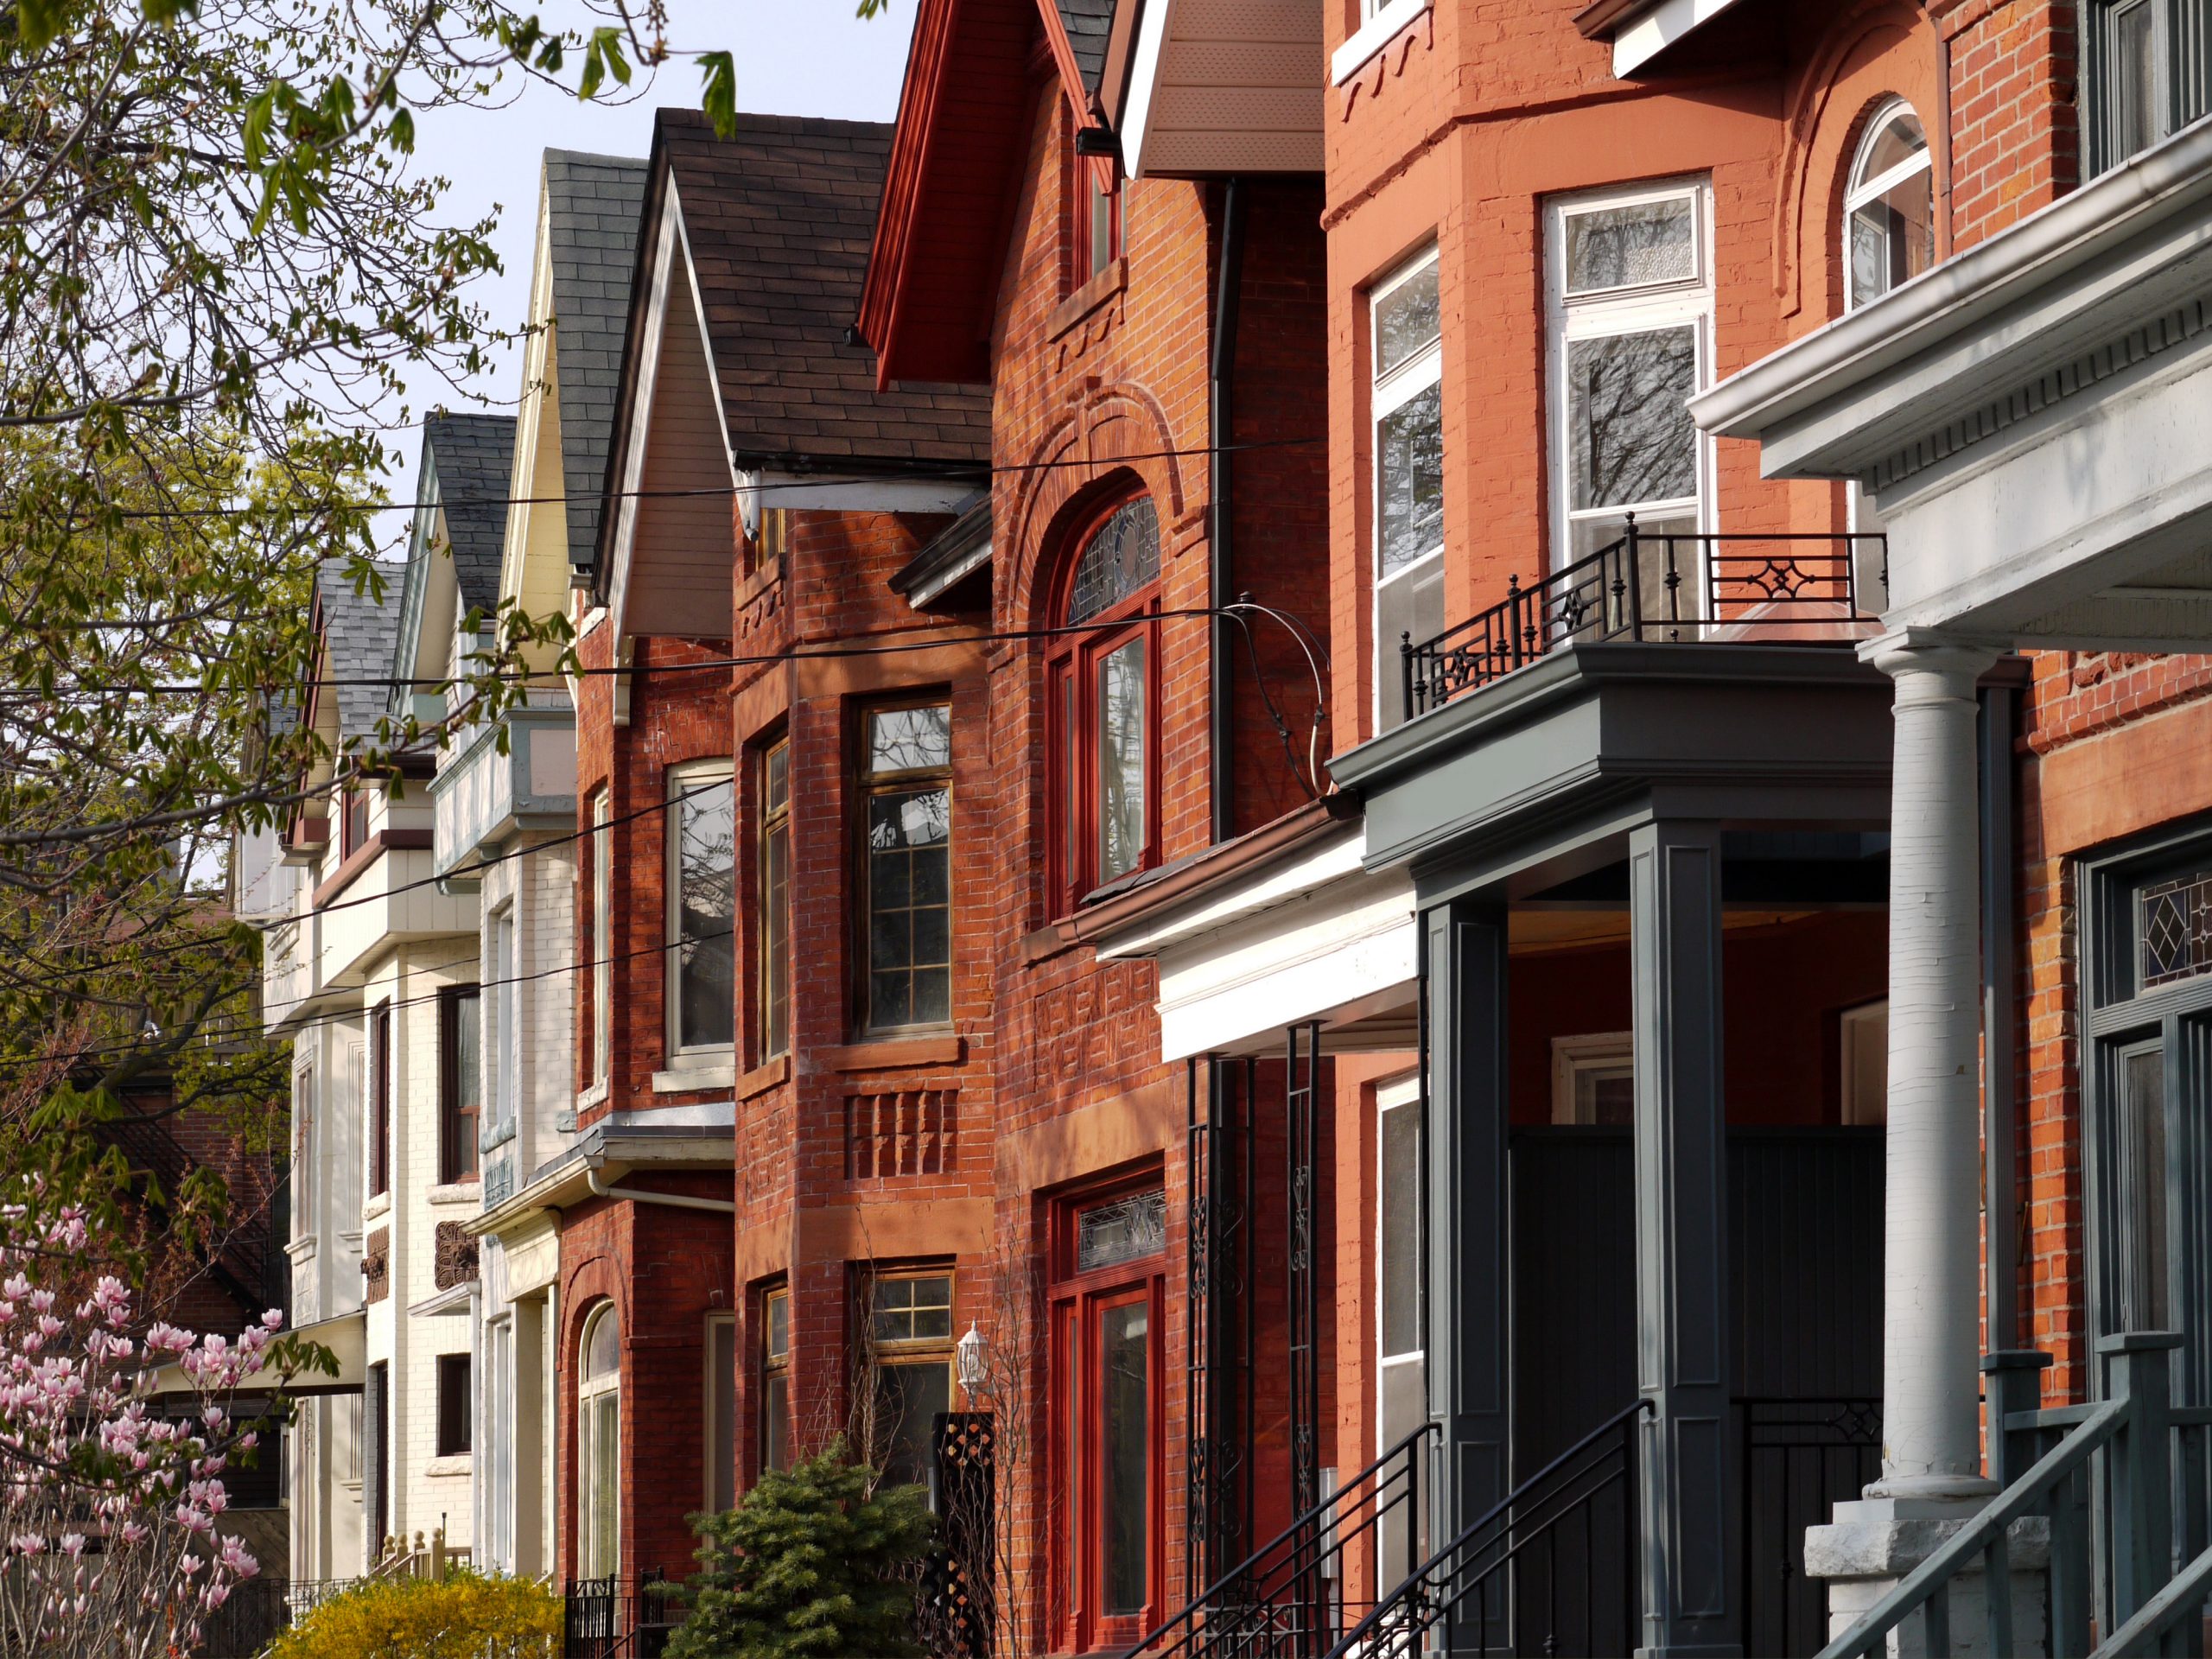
481, 796
1646, 587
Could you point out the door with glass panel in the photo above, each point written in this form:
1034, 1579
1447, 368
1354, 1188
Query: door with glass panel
1109, 1260
2147, 1084
1629, 279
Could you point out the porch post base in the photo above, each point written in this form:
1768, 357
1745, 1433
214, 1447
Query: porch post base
1874, 1542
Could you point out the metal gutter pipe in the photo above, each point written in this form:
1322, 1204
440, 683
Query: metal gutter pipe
1221, 413
673, 1200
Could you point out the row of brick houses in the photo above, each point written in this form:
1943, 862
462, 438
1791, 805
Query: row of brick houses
1406, 792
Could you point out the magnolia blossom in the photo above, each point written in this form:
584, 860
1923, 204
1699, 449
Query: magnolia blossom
111, 1497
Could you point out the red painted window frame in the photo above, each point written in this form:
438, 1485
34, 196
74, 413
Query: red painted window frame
1074, 659
1090, 260
1079, 1303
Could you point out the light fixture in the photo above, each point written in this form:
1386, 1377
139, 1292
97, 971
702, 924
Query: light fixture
970, 1360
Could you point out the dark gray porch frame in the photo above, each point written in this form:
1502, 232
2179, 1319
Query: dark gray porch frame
1594, 755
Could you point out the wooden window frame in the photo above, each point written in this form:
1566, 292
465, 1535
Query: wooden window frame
1077, 1301
380, 1100
456, 1402
894, 1353
773, 1365
1087, 259
683, 778
599, 954
460, 1122
1073, 662
867, 786
771, 957
589, 1392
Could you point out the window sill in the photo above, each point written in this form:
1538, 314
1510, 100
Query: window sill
1087, 298
766, 575
469, 1192
689, 1077
498, 1136
456, 1463
376, 1208
763, 1077
592, 1096
1378, 32
890, 1053
301, 1249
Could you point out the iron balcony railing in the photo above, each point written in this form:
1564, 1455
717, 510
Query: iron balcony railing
1551, 1569
600, 1620
1773, 588
1287, 1600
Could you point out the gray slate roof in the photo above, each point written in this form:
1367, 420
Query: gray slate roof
1087, 22
360, 634
473, 457
593, 204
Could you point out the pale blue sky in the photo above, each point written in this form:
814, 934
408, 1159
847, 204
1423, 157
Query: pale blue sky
794, 57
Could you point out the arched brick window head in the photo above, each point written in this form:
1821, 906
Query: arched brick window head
1103, 719
598, 1446
1889, 207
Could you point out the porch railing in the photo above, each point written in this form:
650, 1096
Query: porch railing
602, 1621
1786, 587
1530, 1575
1288, 1599
2112, 1559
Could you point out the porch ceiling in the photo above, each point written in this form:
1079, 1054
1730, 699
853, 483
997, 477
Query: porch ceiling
1534, 778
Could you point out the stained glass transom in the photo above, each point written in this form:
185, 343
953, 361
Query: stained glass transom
1122, 558
2174, 931
1121, 1231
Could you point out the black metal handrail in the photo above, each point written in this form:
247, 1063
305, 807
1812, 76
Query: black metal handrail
1286, 1599
1508, 1566
1649, 586
600, 1622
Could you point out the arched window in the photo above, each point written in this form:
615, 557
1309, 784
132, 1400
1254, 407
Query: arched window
1889, 209
598, 1446
1103, 720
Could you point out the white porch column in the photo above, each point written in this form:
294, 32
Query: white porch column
1931, 1480
1931, 1291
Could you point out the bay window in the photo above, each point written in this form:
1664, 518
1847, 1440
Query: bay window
701, 909
1406, 318
1630, 281
910, 1348
1104, 680
906, 796
1109, 1262
598, 1446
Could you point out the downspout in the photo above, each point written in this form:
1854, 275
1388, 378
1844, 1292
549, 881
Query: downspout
1221, 412
1999, 1021
673, 1200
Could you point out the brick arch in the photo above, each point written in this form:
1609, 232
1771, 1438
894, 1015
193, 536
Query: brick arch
1885, 49
1113, 435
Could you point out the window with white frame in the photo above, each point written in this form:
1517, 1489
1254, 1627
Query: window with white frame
1406, 314
1401, 1349
498, 1405
1594, 1078
1863, 1046
2144, 75
1889, 212
701, 909
598, 1446
1630, 289
501, 1040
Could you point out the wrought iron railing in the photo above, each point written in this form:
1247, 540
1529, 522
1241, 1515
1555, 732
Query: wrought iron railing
2109, 1479
600, 1620
1783, 587
1551, 1569
1288, 1600
1798, 1455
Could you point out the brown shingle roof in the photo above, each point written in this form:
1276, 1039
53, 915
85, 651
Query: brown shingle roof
778, 219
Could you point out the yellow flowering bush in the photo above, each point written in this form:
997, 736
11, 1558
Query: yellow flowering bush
465, 1615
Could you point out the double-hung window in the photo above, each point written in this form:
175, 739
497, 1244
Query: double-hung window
599, 951
775, 1409
772, 980
701, 909
598, 1446
502, 1040
2148, 73
907, 830
1405, 315
1630, 286
910, 1342
461, 1080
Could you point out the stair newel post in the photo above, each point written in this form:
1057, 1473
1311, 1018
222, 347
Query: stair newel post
1635, 584
2014, 1385
2138, 1369
1406, 666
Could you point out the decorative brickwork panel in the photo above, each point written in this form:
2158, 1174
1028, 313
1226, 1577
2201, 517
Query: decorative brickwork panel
910, 1132
376, 1266
454, 1263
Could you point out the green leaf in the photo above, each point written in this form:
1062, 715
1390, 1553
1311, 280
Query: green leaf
718, 93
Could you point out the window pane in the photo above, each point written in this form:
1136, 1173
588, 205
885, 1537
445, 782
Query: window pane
1400, 1243
601, 950
467, 1051
1409, 481
907, 1401
722, 1418
1406, 318
1124, 1231
1899, 139
1408, 605
909, 849
1120, 560
2174, 922
779, 1327
1893, 236
775, 939
910, 740
1121, 761
775, 1422
602, 1348
2142, 1206
1628, 246
706, 869
605, 1416
1629, 428
1125, 1454
2134, 89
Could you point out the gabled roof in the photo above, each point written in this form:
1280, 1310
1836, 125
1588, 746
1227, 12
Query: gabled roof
778, 220
471, 458
593, 205
1086, 24
359, 636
